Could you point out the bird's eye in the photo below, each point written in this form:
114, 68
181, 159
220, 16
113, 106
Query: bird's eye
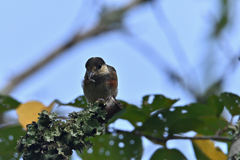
99, 66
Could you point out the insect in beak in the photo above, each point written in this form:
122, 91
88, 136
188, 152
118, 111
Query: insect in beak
90, 74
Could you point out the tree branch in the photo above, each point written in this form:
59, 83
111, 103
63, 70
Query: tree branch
178, 50
104, 25
146, 49
164, 139
75, 39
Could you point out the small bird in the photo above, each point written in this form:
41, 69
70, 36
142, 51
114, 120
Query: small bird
100, 80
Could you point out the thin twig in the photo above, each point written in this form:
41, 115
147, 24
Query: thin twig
171, 36
218, 133
154, 57
146, 50
217, 138
9, 124
164, 139
177, 48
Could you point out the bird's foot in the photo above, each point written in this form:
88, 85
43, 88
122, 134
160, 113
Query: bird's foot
108, 98
100, 101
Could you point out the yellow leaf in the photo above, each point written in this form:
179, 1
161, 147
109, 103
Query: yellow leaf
207, 147
28, 112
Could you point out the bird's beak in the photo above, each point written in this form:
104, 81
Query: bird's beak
89, 76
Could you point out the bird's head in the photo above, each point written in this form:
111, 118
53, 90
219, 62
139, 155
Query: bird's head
95, 67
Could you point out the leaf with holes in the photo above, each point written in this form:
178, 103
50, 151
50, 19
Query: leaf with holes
216, 103
232, 102
159, 102
169, 154
8, 142
132, 113
212, 125
7, 103
135, 114
166, 121
79, 102
115, 146
169, 121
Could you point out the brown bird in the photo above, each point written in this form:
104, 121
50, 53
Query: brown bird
100, 81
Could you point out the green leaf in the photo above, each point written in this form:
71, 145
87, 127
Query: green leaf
159, 101
115, 146
169, 154
194, 117
8, 142
185, 125
212, 125
135, 114
80, 102
215, 102
231, 102
7, 103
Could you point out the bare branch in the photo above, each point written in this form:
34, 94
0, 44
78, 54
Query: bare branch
104, 25
220, 132
177, 48
144, 48
172, 37
164, 139
155, 58
77, 38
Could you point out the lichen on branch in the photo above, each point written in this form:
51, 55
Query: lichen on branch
52, 138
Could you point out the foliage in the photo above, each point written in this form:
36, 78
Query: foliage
50, 138
156, 119
170, 154
8, 141
115, 146
7, 103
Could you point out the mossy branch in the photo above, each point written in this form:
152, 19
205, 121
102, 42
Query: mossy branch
234, 152
51, 138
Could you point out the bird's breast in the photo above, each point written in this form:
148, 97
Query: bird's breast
93, 91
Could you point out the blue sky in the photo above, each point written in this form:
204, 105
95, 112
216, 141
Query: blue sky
30, 30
